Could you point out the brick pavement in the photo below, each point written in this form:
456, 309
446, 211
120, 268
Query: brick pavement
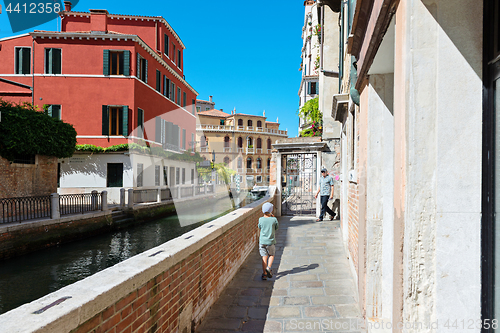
312, 289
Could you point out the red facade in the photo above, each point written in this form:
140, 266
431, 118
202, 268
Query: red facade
100, 74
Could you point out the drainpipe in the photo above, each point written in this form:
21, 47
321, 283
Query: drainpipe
33, 70
322, 25
341, 47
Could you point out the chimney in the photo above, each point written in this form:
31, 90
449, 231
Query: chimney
67, 6
221, 110
99, 20
210, 98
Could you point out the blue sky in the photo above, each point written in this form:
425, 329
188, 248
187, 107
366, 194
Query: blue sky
244, 53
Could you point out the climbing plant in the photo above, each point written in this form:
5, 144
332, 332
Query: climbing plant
27, 130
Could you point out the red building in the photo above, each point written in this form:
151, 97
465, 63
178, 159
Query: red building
114, 77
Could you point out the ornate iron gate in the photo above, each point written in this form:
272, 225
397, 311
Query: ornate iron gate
299, 184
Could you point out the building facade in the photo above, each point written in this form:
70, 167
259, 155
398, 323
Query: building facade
417, 82
116, 78
241, 141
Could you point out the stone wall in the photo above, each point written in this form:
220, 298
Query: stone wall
169, 288
23, 180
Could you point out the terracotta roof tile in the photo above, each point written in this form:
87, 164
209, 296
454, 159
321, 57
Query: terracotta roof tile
214, 113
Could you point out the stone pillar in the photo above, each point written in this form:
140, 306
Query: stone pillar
104, 205
93, 200
122, 198
130, 197
278, 157
318, 174
54, 203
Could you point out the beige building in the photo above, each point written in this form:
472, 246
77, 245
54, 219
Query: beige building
241, 141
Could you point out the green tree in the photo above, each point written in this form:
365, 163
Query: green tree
310, 111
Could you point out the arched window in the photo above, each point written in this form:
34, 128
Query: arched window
269, 163
240, 142
250, 123
226, 160
259, 123
249, 163
226, 141
268, 143
240, 163
250, 142
259, 143
259, 163
240, 122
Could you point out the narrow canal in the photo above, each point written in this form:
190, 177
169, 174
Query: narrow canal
26, 278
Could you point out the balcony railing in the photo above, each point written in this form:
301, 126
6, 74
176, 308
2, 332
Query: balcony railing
259, 170
240, 128
240, 150
269, 151
240, 170
250, 150
227, 149
249, 170
259, 150
203, 149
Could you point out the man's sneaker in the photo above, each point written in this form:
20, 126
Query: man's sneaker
264, 276
269, 272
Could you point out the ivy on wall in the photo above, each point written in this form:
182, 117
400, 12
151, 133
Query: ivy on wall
26, 130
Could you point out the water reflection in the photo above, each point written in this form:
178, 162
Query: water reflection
27, 278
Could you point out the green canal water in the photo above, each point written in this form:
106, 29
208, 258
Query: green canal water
26, 278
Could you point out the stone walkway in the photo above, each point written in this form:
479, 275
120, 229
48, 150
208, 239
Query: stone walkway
312, 289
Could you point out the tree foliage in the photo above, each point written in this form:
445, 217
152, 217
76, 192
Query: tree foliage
26, 130
222, 170
310, 111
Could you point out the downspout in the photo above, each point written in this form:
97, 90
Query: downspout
33, 70
322, 36
341, 47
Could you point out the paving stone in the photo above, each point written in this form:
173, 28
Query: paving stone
280, 292
270, 301
272, 326
303, 325
257, 313
296, 301
319, 311
330, 291
247, 300
307, 292
223, 324
253, 326
307, 284
304, 277
348, 310
332, 300
284, 312
281, 284
252, 292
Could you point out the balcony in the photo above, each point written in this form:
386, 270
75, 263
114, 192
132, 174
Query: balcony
241, 128
259, 170
249, 170
250, 128
240, 170
259, 150
250, 150
204, 150
227, 149
240, 150
268, 151
223, 128
215, 128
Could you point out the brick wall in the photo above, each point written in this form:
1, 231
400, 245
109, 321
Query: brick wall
23, 180
177, 299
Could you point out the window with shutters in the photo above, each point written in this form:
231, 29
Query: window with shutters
183, 176
140, 123
184, 99
172, 92
166, 86
178, 96
179, 58
193, 106
54, 111
177, 176
259, 123
173, 52
114, 177
114, 120
184, 139
198, 109
53, 61
165, 45
312, 88
192, 176
158, 81
116, 62
142, 68
23, 60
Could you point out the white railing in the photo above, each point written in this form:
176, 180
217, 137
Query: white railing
240, 170
227, 149
250, 128
203, 149
269, 151
250, 150
216, 127
240, 150
249, 170
259, 170
241, 128
260, 129
259, 150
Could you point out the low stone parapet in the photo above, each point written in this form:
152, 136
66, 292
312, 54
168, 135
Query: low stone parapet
166, 289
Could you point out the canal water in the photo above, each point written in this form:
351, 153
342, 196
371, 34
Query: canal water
26, 278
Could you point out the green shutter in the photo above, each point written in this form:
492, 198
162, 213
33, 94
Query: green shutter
105, 62
125, 120
56, 57
138, 65
146, 74
49, 111
48, 61
105, 120
126, 63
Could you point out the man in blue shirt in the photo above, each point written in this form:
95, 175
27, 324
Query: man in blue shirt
326, 190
